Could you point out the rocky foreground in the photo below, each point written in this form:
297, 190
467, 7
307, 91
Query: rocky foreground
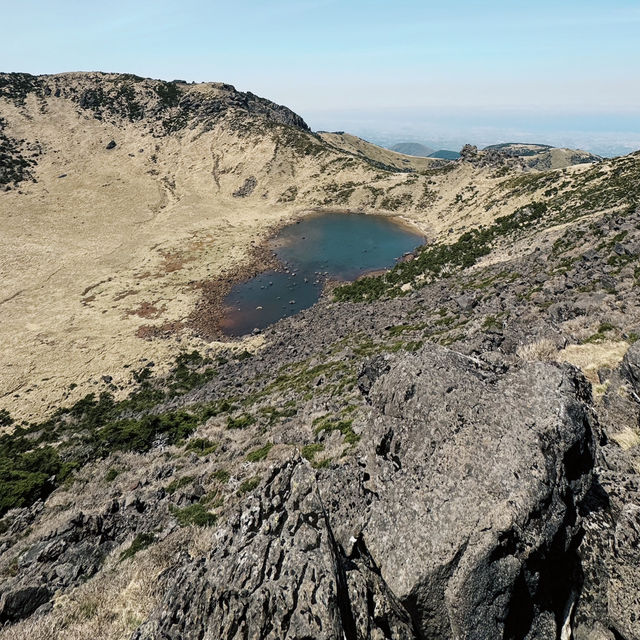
453, 519
450, 450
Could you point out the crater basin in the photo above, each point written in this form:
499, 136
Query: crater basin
334, 246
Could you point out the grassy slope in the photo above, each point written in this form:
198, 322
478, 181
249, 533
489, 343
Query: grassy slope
360, 147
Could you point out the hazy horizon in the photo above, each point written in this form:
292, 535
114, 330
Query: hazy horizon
479, 72
605, 134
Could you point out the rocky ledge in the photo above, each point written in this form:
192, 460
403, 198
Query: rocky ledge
459, 517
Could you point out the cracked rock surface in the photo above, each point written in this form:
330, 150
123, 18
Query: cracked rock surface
459, 518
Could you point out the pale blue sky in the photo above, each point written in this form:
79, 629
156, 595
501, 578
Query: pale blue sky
322, 57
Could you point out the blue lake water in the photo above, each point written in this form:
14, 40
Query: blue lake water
329, 245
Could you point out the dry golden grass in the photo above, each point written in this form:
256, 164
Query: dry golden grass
627, 438
543, 349
127, 234
119, 598
591, 357
107, 607
353, 144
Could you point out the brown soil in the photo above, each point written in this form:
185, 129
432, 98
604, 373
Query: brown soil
204, 321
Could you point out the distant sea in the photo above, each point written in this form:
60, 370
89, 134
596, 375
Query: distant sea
605, 133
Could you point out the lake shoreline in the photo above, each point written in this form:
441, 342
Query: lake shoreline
206, 319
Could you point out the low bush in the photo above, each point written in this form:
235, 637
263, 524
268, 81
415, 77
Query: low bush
37, 458
195, 514
329, 423
201, 446
249, 485
240, 422
111, 475
141, 541
140, 435
259, 454
179, 483
221, 475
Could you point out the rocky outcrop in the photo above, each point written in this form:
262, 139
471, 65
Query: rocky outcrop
539, 157
487, 157
162, 106
74, 551
609, 605
276, 572
246, 189
631, 369
16, 159
458, 519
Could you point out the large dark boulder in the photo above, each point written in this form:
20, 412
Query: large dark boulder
631, 368
460, 518
609, 603
20, 603
276, 572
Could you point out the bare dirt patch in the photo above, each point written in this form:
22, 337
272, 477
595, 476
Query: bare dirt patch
147, 310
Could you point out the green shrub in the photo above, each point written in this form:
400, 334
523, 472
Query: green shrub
309, 451
145, 398
168, 93
37, 458
249, 485
201, 446
178, 483
111, 475
241, 422
259, 454
27, 474
328, 423
139, 435
184, 376
221, 475
195, 514
141, 541
213, 409
274, 414
491, 322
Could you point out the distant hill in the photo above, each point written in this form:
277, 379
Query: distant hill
378, 155
543, 156
445, 154
519, 148
413, 149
